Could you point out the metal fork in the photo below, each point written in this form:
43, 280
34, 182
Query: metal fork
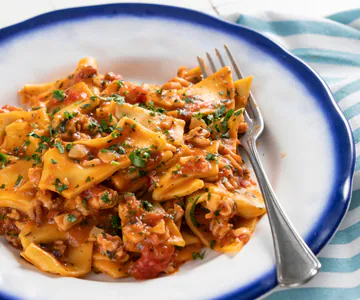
296, 263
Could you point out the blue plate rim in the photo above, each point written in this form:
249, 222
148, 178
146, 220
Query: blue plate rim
344, 146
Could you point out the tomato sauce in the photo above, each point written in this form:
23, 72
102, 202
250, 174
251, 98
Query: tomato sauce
153, 260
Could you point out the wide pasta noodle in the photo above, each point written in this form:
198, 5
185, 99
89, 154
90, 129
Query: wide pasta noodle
98, 173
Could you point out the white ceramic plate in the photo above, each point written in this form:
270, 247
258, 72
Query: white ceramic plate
147, 43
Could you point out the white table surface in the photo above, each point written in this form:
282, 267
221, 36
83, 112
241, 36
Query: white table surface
13, 11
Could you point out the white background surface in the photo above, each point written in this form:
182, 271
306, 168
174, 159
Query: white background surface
13, 11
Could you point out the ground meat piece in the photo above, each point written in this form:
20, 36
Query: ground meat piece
100, 197
8, 220
112, 246
198, 137
57, 249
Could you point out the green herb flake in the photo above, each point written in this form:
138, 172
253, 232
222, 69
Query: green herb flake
147, 205
60, 187
18, 180
115, 222
105, 197
192, 212
210, 157
58, 95
53, 161
84, 204
137, 160
60, 147
199, 255
225, 135
87, 105
68, 147
69, 115
120, 83
238, 112
71, 218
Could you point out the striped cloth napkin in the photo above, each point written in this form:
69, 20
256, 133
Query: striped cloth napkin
332, 47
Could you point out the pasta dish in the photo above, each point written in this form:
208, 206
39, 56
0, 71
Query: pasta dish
102, 174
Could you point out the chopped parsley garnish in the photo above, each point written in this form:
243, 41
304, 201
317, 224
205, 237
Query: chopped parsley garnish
60, 187
115, 222
120, 83
58, 95
33, 134
139, 157
110, 254
103, 126
133, 126
88, 179
196, 255
45, 139
57, 109
53, 161
92, 125
137, 160
84, 204
211, 156
60, 147
3, 160
212, 244
18, 180
69, 115
36, 158
192, 212
113, 97
189, 100
105, 197
224, 122
71, 218
238, 112
151, 106
220, 112
68, 147
147, 205
41, 147
225, 135
87, 105
2, 186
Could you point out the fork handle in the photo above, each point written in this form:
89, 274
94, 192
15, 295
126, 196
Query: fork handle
296, 263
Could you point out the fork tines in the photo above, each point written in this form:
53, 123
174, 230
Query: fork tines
222, 63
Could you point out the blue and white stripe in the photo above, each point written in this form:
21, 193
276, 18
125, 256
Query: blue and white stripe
332, 47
